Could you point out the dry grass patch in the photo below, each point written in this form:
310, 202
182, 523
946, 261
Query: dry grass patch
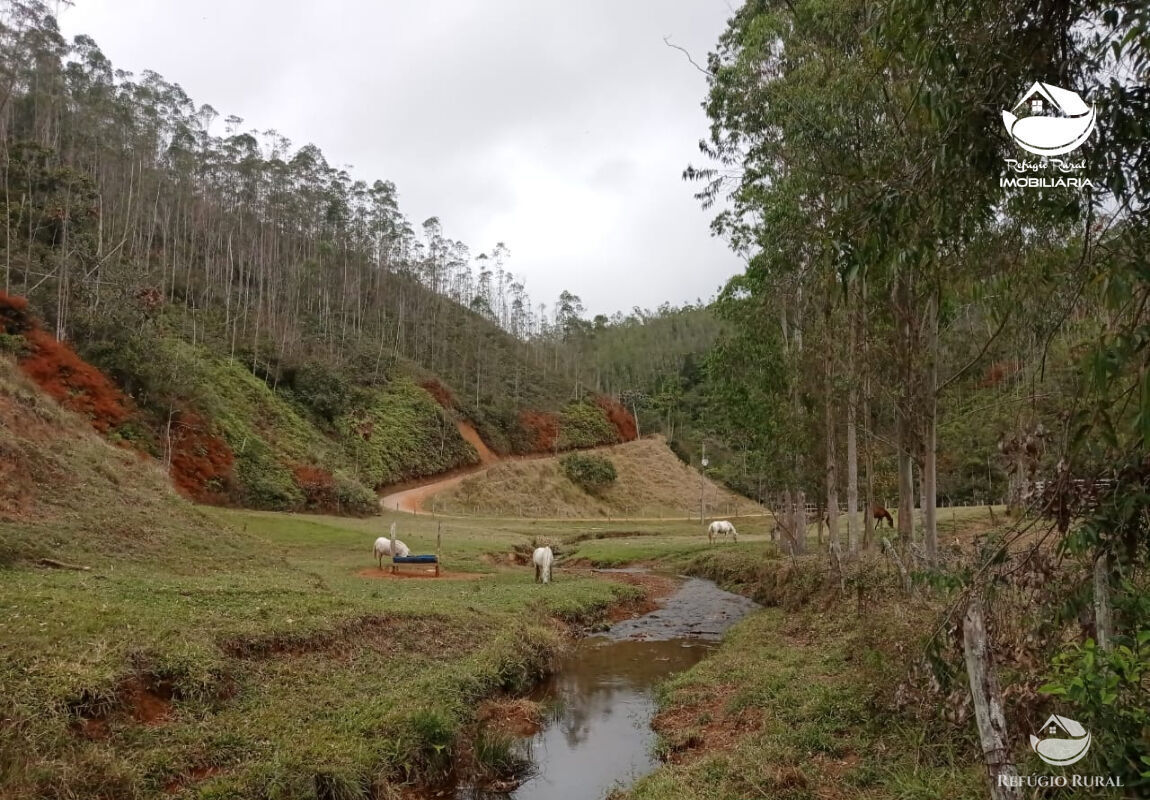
652, 482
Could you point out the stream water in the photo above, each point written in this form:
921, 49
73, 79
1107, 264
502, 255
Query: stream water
599, 736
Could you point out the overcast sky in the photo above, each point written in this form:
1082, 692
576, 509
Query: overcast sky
560, 127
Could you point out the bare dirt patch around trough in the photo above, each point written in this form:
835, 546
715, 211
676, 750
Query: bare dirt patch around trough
376, 573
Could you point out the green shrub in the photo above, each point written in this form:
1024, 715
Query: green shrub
1108, 692
354, 497
401, 434
11, 343
585, 425
590, 472
322, 390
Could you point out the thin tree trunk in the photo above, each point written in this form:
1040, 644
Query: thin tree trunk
829, 431
800, 523
868, 442
904, 410
904, 576
852, 441
905, 488
930, 457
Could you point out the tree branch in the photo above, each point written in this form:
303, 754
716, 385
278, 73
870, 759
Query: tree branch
985, 346
683, 50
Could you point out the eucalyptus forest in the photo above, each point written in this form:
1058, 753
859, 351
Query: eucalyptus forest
226, 364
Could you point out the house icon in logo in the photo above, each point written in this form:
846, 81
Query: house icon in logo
1058, 120
1065, 741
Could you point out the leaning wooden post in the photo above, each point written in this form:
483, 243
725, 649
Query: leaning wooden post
438, 547
838, 563
1102, 621
886, 545
988, 714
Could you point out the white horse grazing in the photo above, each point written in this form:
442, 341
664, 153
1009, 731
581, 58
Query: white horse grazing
721, 527
543, 558
389, 547
382, 548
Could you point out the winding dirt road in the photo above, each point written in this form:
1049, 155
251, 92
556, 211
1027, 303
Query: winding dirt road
411, 496
408, 497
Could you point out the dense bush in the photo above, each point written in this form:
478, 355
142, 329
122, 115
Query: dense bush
321, 389
498, 426
585, 425
402, 433
590, 472
1108, 691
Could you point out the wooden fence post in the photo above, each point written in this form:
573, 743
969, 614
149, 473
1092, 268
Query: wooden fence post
987, 698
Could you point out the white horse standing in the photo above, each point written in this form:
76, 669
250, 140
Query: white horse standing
389, 547
543, 558
721, 527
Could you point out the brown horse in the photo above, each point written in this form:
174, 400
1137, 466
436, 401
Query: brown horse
880, 514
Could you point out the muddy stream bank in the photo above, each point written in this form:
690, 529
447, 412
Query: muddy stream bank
597, 736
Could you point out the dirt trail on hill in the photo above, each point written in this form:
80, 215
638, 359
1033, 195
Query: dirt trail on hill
468, 432
411, 496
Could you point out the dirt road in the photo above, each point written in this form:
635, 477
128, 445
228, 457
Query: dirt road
410, 497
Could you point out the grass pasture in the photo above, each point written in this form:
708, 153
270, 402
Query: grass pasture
285, 674
276, 670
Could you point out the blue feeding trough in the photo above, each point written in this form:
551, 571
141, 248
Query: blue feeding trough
398, 561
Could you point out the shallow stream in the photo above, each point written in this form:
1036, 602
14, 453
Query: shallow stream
599, 735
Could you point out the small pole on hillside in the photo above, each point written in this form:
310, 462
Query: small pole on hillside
702, 480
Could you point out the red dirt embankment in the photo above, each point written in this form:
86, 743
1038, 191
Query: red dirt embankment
468, 432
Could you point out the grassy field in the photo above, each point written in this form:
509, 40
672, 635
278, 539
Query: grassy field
196, 652
786, 709
283, 673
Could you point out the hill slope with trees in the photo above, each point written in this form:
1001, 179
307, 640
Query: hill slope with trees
288, 339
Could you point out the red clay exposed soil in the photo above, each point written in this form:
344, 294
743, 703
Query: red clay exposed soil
318, 487
55, 368
201, 460
619, 416
468, 432
441, 393
95, 728
147, 704
143, 700
542, 427
656, 588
